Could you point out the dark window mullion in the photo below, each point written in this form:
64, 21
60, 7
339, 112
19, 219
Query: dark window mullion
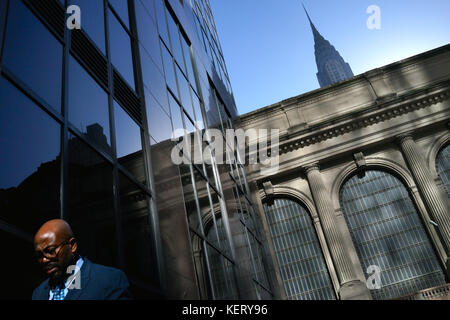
113, 10
89, 71
116, 192
32, 95
153, 211
72, 130
64, 193
44, 21
3, 21
212, 245
136, 58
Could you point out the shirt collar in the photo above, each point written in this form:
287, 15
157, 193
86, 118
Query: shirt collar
78, 266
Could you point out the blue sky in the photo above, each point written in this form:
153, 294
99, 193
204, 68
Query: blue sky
269, 48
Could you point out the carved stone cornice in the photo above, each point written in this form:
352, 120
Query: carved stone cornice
362, 121
302, 100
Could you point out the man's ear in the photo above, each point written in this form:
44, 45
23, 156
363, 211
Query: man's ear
73, 244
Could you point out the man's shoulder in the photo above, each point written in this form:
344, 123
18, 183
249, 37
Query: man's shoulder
40, 290
102, 272
96, 267
108, 282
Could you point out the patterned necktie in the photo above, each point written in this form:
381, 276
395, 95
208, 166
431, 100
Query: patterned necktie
58, 293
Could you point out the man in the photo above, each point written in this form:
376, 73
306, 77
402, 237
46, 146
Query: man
72, 277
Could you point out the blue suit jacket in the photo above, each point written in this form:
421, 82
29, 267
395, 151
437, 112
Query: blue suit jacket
97, 283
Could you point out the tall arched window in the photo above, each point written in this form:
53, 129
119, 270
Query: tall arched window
298, 251
443, 167
388, 233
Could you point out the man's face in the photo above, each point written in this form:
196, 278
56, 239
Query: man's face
54, 253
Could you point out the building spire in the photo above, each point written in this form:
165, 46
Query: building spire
313, 27
306, 11
331, 66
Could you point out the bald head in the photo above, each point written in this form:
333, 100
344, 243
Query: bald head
57, 228
55, 246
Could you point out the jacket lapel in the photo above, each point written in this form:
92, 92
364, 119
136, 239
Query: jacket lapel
44, 292
85, 270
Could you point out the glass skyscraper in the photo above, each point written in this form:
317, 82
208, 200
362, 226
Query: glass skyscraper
86, 123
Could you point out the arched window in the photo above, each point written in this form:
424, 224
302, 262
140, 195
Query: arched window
387, 232
443, 167
299, 255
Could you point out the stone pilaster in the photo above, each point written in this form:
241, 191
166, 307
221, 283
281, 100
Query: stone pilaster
351, 287
436, 203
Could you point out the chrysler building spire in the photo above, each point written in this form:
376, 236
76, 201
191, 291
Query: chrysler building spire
331, 67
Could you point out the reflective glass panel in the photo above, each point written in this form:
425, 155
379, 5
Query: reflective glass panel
198, 112
148, 33
149, 5
121, 7
120, 46
189, 198
222, 276
91, 204
139, 252
187, 57
128, 133
92, 20
169, 70
29, 161
256, 247
160, 10
154, 79
185, 96
158, 120
193, 148
212, 113
177, 122
175, 40
33, 54
88, 106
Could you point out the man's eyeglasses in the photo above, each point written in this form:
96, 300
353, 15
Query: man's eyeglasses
50, 252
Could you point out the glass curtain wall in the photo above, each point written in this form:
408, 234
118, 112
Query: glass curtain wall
71, 140
82, 114
189, 100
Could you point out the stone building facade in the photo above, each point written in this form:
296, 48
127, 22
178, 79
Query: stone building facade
366, 161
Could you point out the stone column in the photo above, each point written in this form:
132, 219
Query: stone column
436, 202
351, 286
